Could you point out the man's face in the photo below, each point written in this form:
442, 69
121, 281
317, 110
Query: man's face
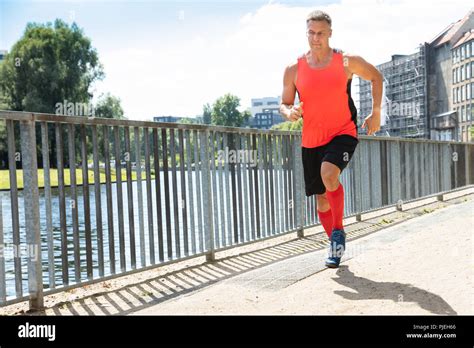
318, 33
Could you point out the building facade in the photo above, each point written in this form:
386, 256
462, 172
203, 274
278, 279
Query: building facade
265, 113
462, 55
445, 108
262, 105
428, 94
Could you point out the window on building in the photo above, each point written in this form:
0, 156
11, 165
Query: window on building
468, 71
462, 73
463, 95
257, 103
468, 112
463, 52
454, 96
463, 114
458, 77
468, 92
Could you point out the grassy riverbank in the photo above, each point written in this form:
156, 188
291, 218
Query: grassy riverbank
5, 177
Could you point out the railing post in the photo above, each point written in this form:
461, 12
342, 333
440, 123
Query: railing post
207, 196
299, 189
3, 290
32, 219
467, 153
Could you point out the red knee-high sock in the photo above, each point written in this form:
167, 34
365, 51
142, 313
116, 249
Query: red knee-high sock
336, 201
325, 217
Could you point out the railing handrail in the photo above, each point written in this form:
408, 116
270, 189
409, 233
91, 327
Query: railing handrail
88, 120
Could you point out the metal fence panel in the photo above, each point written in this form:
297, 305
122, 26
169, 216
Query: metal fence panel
203, 204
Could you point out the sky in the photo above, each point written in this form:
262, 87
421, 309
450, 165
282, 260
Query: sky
171, 57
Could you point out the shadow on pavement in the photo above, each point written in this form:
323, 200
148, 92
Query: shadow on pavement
367, 289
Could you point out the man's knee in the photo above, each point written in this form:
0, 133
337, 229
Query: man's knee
329, 172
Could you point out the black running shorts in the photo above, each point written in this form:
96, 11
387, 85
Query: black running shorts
338, 151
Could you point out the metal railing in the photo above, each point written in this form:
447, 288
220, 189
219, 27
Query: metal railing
113, 197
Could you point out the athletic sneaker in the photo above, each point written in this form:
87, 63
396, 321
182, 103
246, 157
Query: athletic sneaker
336, 248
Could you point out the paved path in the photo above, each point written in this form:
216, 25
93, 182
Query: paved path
421, 266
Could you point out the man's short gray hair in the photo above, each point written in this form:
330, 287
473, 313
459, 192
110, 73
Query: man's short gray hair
318, 16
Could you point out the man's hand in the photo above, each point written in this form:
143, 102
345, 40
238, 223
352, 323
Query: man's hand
296, 112
372, 122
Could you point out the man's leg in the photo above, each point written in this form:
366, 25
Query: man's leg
338, 151
334, 192
324, 213
335, 195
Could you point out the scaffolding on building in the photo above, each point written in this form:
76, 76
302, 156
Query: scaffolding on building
403, 108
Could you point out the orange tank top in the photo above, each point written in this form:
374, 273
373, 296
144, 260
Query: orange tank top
328, 109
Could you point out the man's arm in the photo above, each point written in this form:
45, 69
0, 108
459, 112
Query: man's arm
357, 65
287, 109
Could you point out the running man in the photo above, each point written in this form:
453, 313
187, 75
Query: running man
322, 77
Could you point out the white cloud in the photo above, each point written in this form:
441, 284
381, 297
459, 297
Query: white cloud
178, 78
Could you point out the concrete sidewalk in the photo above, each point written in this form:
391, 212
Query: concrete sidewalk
421, 266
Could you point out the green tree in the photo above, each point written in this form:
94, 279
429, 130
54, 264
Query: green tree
3, 98
225, 112
50, 63
289, 126
109, 106
207, 114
